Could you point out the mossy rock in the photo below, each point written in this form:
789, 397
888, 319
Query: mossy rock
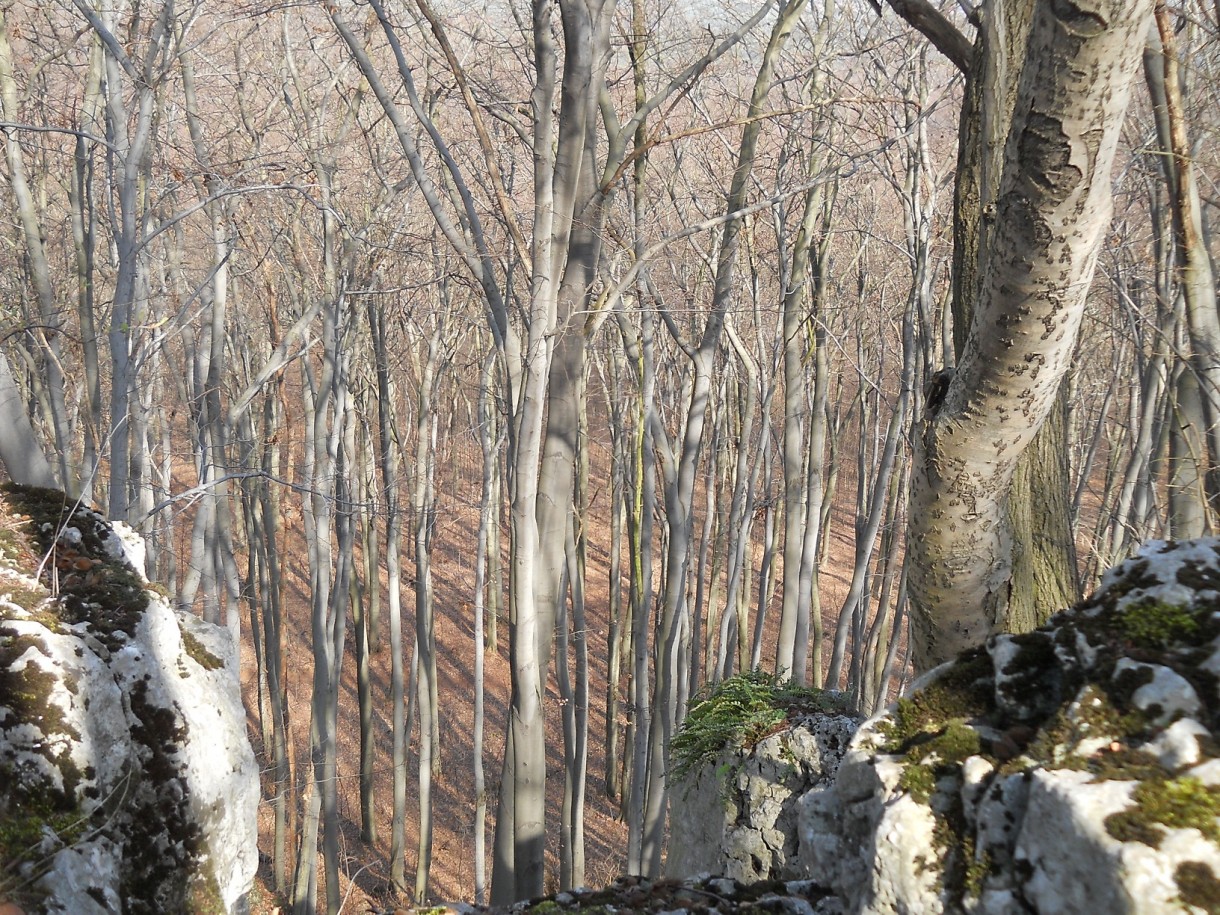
1095, 694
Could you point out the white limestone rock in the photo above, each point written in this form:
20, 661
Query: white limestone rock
1077, 865
1063, 844
738, 817
124, 719
1178, 745
1067, 770
1165, 696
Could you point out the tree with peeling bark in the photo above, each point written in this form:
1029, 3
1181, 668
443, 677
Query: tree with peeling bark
1044, 211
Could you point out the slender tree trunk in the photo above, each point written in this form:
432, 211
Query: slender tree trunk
487, 519
423, 506
20, 453
389, 462
679, 464
48, 329
615, 637
1193, 272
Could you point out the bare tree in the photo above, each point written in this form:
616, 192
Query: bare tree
1050, 209
20, 452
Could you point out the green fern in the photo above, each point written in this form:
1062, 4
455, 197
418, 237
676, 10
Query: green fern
739, 712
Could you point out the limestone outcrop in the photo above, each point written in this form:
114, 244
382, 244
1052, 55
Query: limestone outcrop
739, 817
1071, 769
127, 781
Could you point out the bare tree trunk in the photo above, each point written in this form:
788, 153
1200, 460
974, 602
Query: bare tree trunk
130, 133
616, 635
1199, 397
679, 462
423, 506
84, 246
802, 457
273, 641
487, 519
389, 462
1052, 207
362, 591
574, 692
640, 349
869, 522
20, 453
48, 329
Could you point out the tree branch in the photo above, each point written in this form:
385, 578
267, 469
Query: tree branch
932, 24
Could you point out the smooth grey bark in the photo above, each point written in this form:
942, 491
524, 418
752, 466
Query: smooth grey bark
423, 508
328, 416
1084, 467
574, 698
1051, 210
46, 331
616, 635
703, 608
801, 455
679, 459
212, 456
543, 461
1196, 432
810, 631
84, 225
129, 132
1121, 527
364, 586
1187, 517
872, 507
871, 682
269, 517
744, 476
388, 465
640, 507
20, 453
489, 444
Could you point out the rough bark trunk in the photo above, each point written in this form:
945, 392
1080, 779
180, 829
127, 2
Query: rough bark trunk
1048, 218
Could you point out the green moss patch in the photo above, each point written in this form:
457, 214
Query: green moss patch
1198, 886
156, 875
740, 711
199, 654
965, 693
38, 815
92, 586
163, 845
27, 692
1175, 803
1153, 624
939, 755
30, 832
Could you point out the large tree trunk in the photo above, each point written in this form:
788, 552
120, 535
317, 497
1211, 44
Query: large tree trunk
1036, 264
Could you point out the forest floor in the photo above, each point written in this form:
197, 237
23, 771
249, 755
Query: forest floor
365, 867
